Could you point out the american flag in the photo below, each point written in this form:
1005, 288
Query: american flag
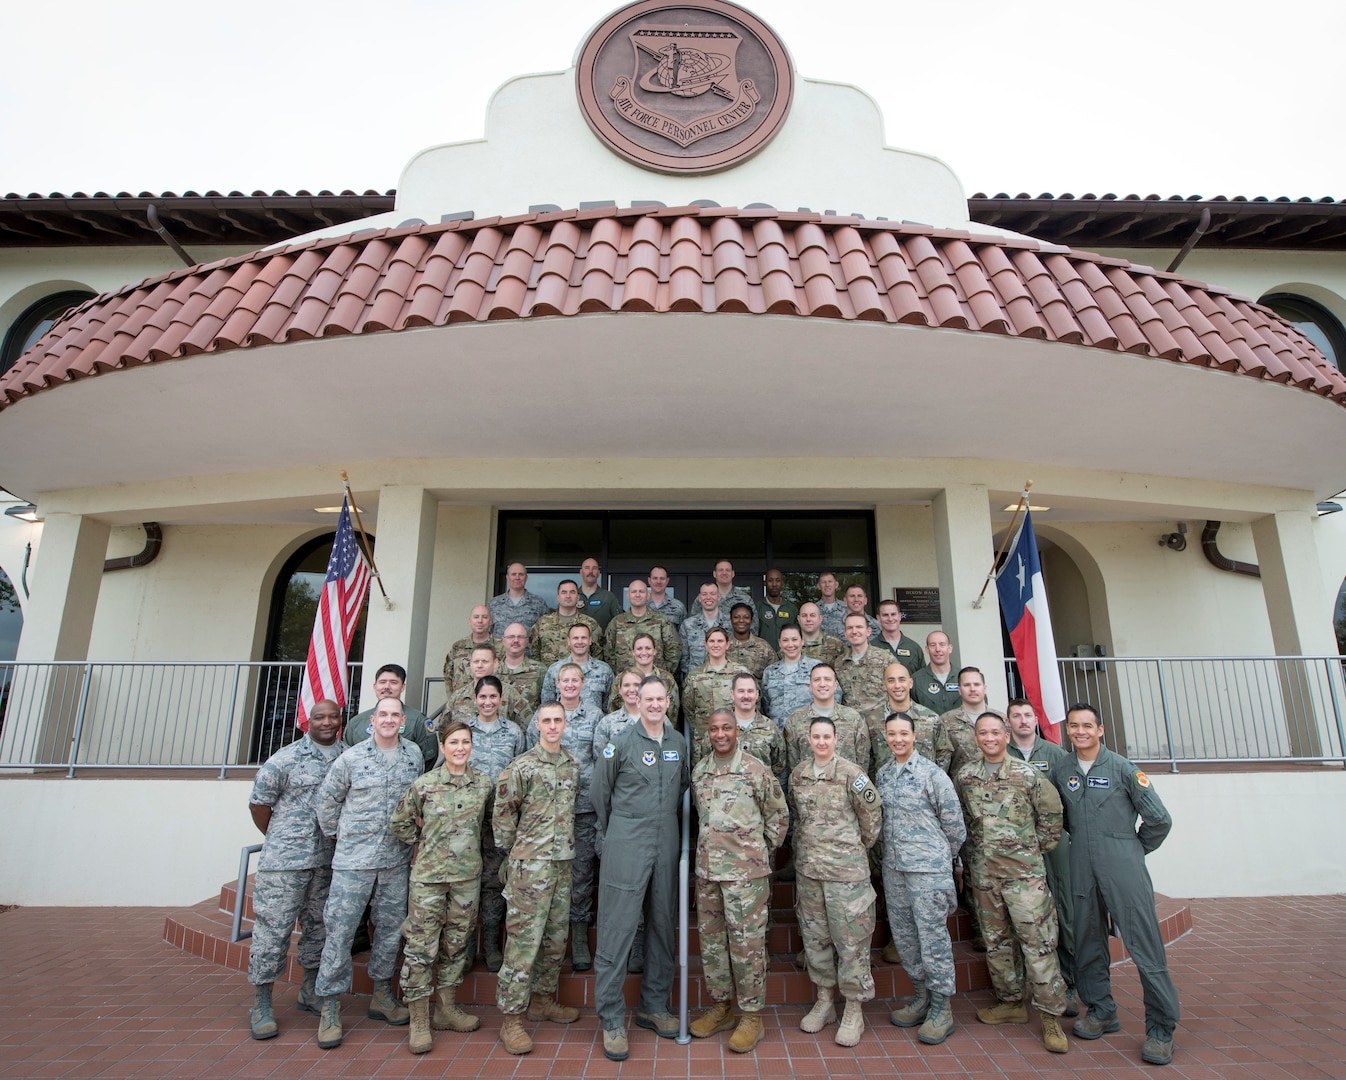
343, 596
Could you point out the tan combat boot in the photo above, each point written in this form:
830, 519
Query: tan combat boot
420, 1040
1004, 1012
514, 1037
448, 1017
913, 1013
546, 1007
719, 1017
329, 1023
1053, 1038
823, 1012
748, 1033
938, 1021
852, 1025
260, 1016
384, 1006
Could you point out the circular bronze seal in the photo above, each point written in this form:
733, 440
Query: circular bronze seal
684, 88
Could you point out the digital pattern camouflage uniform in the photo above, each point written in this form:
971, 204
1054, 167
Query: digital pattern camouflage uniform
445, 889
612, 725
741, 595
418, 729
926, 723
615, 703
548, 641
672, 609
491, 752
504, 610
772, 619
956, 742
852, 736
703, 691
355, 803
755, 654
785, 688
743, 821
825, 648
1042, 757
623, 630
862, 685
526, 679
759, 738
294, 872
597, 682
1013, 817
578, 740
458, 661
905, 651
693, 632
463, 704
834, 618
837, 817
535, 824
922, 832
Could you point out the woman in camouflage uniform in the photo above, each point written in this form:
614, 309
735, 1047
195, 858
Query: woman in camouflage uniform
443, 812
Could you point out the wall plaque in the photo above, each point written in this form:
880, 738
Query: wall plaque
684, 88
918, 605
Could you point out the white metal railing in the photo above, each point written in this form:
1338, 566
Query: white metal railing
74, 715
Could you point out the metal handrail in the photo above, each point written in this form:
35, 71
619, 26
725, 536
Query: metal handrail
240, 893
684, 915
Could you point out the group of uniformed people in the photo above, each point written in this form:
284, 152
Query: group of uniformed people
539, 762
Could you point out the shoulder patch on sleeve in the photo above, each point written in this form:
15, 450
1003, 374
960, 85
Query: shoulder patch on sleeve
1142, 779
609, 750
869, 795
861, 782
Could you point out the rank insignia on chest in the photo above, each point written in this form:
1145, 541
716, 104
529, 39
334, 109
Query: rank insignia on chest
670, 755
1073, 784
1099, 781
648, 757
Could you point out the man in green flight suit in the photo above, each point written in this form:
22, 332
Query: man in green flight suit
637, 788
1103, 795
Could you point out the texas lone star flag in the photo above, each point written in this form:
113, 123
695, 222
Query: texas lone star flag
1023, 601
343, 596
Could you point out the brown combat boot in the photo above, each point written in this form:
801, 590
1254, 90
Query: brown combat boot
852, 1025
719, 1017
1004, 1012
546, 1007
748, 1033
385, 1006
514, 1037
1053, 1038
420, 1040
448, 1017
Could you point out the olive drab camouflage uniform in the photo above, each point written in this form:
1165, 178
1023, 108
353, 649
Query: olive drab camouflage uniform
615, 703
743, 821
447, 816
1109, 880
535, 824
755, 654
923, 830
294, 871
837, 817
758, 738
549, 639
458, 661
785, 688
861, 683
462, 705
527, 680
825, 648
1042, 757
623, 630
597, 682
491, 752
852, 735
703, 691
505, 609
1014, 817
355, 803
956, 740
578, 740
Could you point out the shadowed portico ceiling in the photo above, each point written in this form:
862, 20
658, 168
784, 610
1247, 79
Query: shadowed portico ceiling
678, 259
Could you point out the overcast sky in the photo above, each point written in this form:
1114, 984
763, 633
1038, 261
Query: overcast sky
1173, 97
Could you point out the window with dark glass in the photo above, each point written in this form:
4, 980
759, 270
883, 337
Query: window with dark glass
35, 321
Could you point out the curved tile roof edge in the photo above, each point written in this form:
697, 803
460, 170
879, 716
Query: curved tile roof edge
670, 259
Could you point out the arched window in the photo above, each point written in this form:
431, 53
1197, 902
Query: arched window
35, 321
1312, 320
294, 603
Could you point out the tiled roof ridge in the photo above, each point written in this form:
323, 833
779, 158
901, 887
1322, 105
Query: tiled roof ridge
755, 260
1047, 196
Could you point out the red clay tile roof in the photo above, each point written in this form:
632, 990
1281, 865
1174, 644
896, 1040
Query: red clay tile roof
671, 259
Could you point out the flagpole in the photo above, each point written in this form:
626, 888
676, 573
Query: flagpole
369, 551
1004, 544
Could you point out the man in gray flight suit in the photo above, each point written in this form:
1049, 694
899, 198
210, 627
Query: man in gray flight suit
1103, 795
636, 791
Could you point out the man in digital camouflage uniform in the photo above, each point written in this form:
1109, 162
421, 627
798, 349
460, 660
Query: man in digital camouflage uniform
597, 674
390, 681
459, 657
294, 872
743, 821
535, 824
355, 803
516, 604
818, 644
670, 607
1013, 818
548, 640
520, 671
638, 619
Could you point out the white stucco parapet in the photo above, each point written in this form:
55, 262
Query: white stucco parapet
829, 156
